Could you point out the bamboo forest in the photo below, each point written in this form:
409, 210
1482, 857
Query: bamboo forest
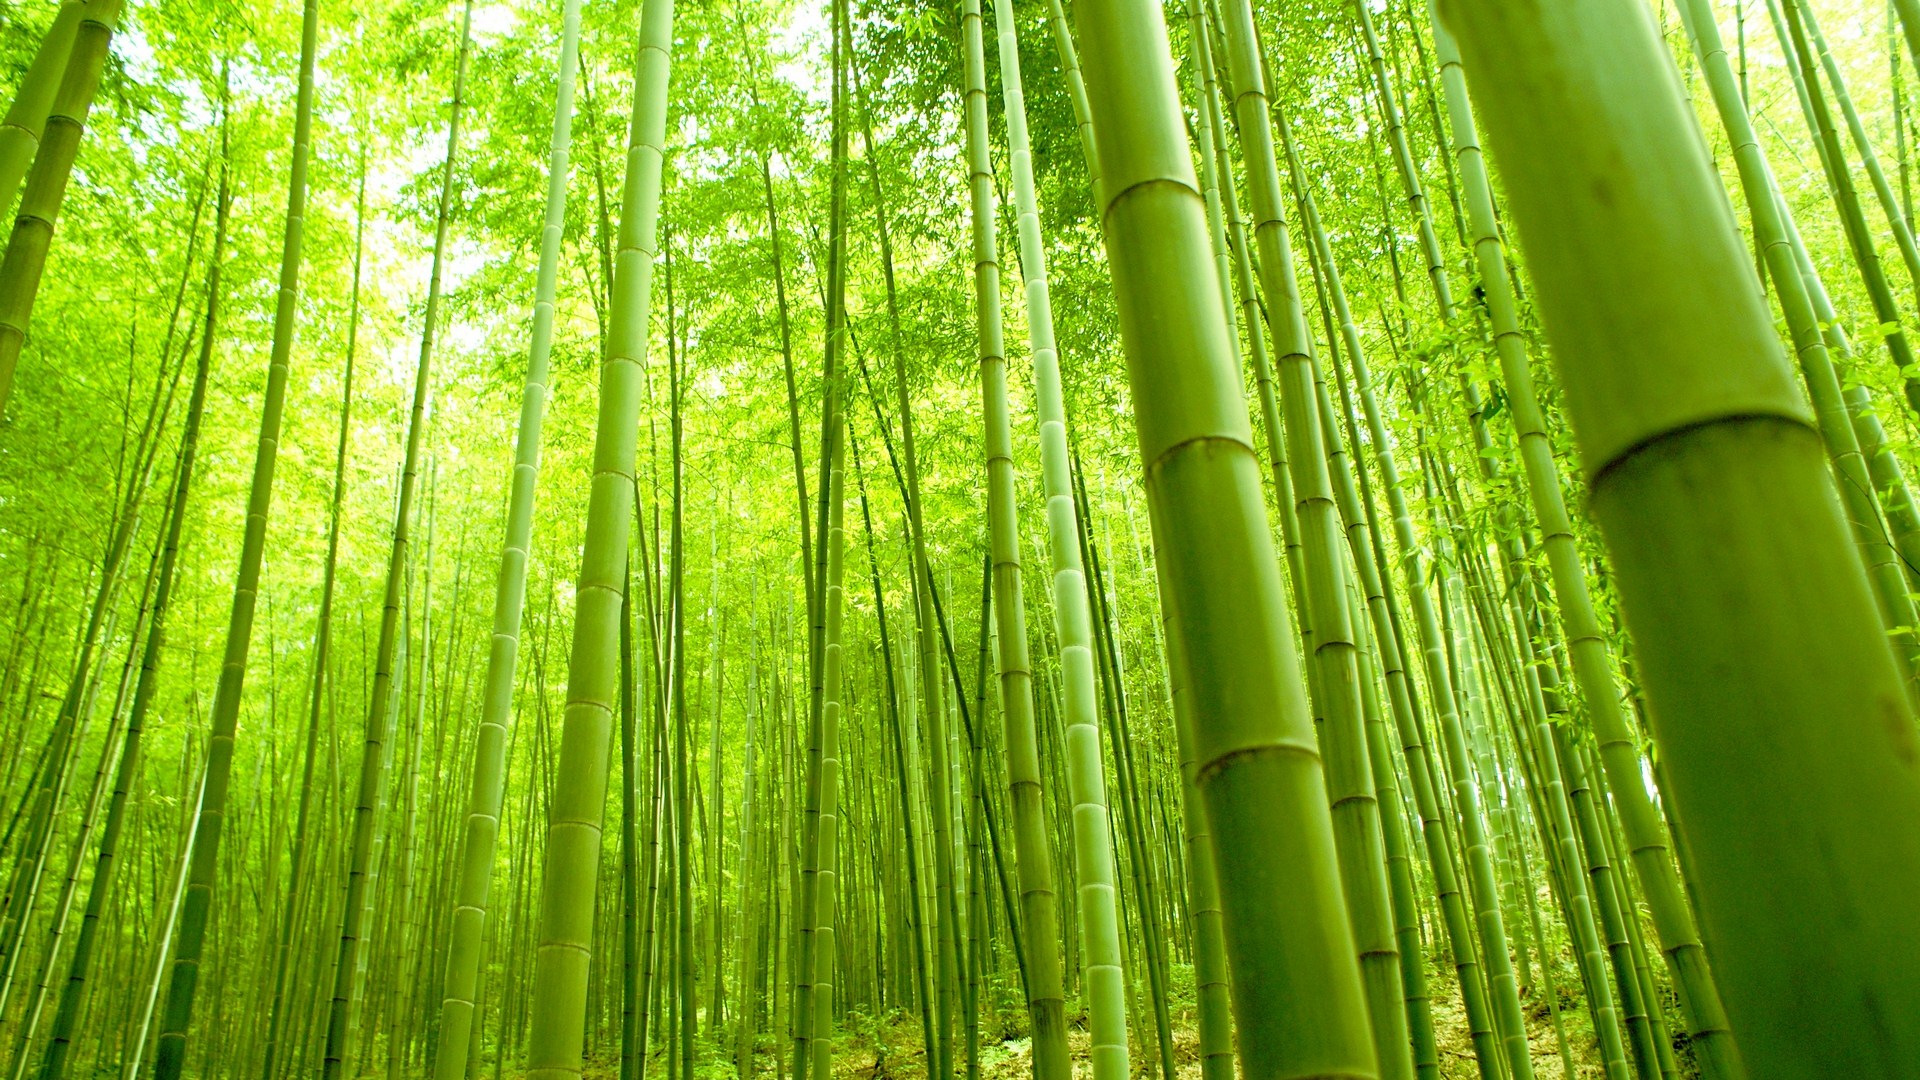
960, 539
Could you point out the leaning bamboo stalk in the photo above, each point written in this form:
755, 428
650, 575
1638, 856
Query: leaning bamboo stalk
1372, 589
1073, 620
1736, 574
827, 870
26, 118
570, 874
376, 750
1790, 32
177, 1014
1334, 660
25, 260
323, 633
1592, 658
1502, 984
1253, 320
488, 789
1298, 1001
1890, 209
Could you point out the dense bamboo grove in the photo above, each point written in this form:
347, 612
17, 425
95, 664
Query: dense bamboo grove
1345, 539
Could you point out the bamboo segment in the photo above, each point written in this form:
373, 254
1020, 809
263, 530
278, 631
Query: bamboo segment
25, 260
1738, 580
568, 879
26, 118
1592, 658
468, 924
1299, 1008
1086, 777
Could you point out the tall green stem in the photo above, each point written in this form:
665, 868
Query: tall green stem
571, 873
1086, 774
1298, 1003
203, 861
375, 752
25, 260
1592, 658
468, 924
1775, 702
1335, 660
26, 118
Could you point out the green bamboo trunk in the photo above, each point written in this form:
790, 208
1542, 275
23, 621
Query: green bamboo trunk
46, 185
376, 748
1050, 1029
1299, 1007
1074, 632
1791, 35
1253, 319
681, 1039
174, 898
1026, 783
571, 871
1210, 973
1372, 583
827, 868
468, 925
1334, 655
26, 118
915, 918
1582, 927
1890, 208
1213, 1001
1889, 479
1591, 656
203, 859
834, 385
297, 875
1776, 704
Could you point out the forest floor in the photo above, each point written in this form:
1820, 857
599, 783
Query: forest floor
890, 1048
891, 1051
